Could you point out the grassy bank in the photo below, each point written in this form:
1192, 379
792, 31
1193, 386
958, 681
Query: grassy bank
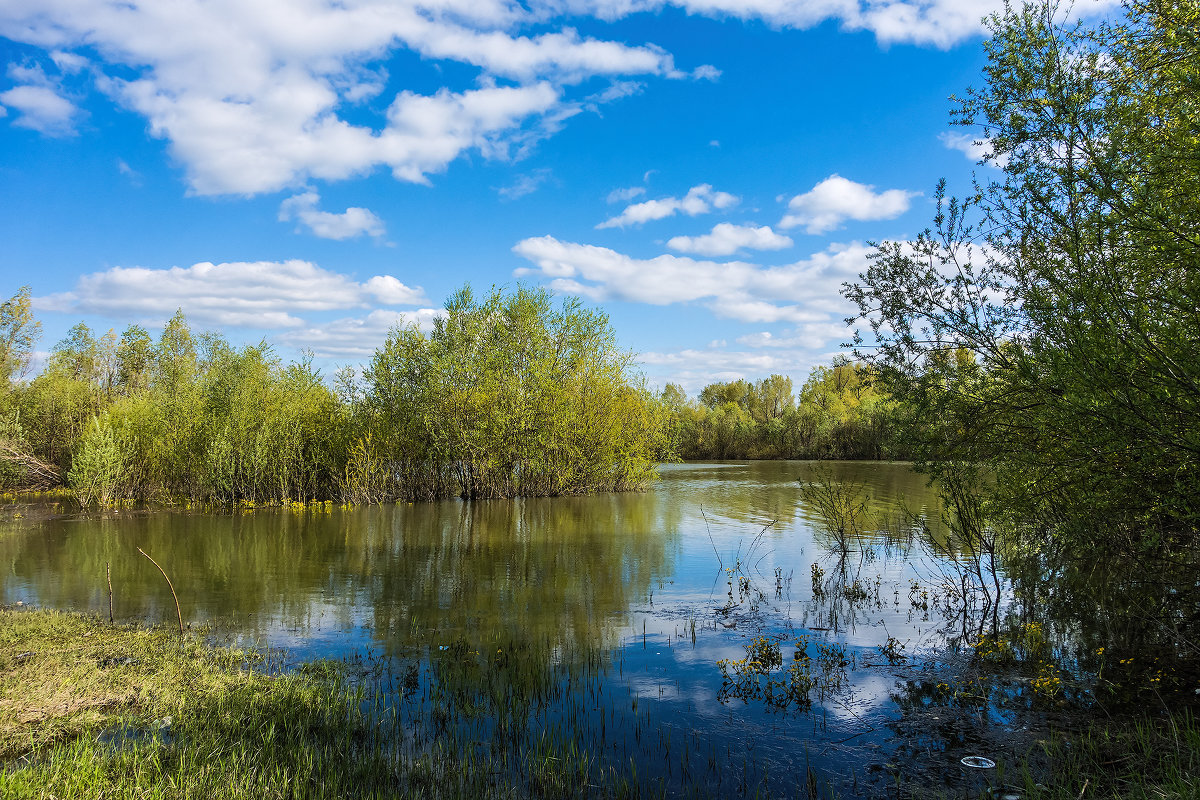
89, 711
1148, 758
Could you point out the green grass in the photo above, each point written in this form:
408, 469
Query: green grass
84, 709
1150, 757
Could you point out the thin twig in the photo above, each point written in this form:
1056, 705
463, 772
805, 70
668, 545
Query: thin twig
710, 538
170, 586
108, 572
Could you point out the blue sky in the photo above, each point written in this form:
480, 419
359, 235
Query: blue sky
314, 172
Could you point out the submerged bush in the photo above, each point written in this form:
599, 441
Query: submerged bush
505, 397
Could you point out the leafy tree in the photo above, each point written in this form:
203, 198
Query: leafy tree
19, 332
773, 396
135, 358
506, 396
1043, 338
841, 413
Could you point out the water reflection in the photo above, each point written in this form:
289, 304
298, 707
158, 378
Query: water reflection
668, 582
396, 576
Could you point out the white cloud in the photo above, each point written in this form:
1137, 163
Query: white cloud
389, 291
973, 148
250, 95
801, 292
287, 134
356, 337
625, 195
699, 200
260, 294
563, 54
69, 62
42, 109
810, 335
726, 239
832, 201
40, 101
695, 368
135, 177
524, 184
941, 23
350, 223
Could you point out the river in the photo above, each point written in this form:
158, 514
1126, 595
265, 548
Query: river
629, 602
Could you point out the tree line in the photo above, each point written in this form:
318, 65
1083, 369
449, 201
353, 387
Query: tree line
508, 395
841, 412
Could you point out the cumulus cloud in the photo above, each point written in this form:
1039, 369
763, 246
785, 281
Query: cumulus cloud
259, 294
941, 23
41, 102
807, 336
251, 98
973, 148
356, 337
834, 200
725, 239
69, 62
42, 109
695, 368
350, 223
804, 291
699, 200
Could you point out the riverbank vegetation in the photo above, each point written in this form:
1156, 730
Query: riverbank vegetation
89, 710
506, 396
839, 413
93, 710
1042, 342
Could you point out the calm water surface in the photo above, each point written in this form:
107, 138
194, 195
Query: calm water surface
639, 577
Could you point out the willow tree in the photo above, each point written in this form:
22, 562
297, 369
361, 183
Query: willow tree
506, 396
1047, 333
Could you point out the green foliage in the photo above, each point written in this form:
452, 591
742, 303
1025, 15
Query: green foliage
99, 464
19, 332
1042, 341
505, 397
840, 413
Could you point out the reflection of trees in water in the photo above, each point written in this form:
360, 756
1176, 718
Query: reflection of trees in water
560, 569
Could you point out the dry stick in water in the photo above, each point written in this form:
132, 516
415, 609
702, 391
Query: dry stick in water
108, 572
170, 586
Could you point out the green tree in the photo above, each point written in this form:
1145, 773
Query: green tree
19, 332
1043, 339
506, 396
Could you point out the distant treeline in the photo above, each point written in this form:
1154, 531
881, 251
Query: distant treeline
839, 413
506, 396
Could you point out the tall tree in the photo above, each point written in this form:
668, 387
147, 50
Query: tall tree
1045, 336
19, 332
